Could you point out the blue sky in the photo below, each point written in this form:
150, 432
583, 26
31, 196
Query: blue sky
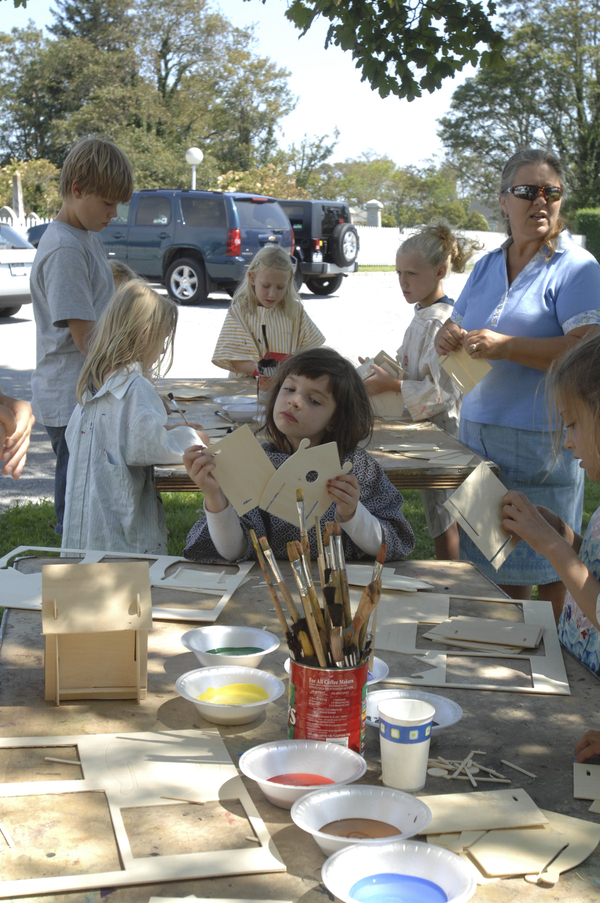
329, 90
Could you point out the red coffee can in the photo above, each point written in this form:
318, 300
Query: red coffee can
328, 704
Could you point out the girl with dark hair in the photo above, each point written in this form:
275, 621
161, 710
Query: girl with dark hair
525, 303
317, 395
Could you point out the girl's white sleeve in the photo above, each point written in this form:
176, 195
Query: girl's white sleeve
364, 530
147, 441
435, 392
226, 533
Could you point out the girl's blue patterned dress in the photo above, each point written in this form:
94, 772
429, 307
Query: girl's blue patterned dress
575, 631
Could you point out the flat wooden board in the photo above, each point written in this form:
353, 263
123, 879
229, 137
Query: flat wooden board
482, 810
582, 838
129, 772
486, 630
477, 506
464, 370
362, 574
388, 405
242, 469
586, 781
516, 851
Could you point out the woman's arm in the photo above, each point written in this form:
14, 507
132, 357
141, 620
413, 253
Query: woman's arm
522, 519
449, 337
530, 352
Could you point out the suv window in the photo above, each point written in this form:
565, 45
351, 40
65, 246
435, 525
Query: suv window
295, 214
204, 212
331, 217
122, 214
260, 215
11, 240
153, 211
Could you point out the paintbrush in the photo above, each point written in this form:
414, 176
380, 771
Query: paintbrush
313, 629
302, 518
307, 647
375, 591
314, 599
327, 555
176, 407
345, 592
291, 640
377, 570
320, 551
336, 615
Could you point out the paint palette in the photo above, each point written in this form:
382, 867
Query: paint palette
447, 712
236, 399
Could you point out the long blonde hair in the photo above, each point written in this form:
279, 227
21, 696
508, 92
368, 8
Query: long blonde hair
132, 329
437, 244
270, 257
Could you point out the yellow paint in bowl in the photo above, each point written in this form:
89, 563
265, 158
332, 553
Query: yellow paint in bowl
234, 694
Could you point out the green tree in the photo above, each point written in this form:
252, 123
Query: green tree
104, 23
306, 160
404, 47
39, 179
548, 95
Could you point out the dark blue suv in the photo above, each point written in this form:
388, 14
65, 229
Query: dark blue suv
195, 241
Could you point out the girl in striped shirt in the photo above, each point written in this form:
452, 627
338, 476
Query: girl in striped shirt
266, 319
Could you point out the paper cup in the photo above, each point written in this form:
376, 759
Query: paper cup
405, 735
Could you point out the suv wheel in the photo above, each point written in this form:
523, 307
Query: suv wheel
325, 286
186, 281
343, 244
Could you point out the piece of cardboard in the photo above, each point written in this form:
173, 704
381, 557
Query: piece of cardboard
582, 838
139, 770
486, 630
464, 370
477, 506
586, 781
362, 574
482, 811
321, 462
516, 851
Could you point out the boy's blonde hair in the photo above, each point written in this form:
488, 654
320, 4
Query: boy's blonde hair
132, 329
438, 244
99, 167
270, 257
122, 273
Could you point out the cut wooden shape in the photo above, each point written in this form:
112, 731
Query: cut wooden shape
582, 838
516, 851
490, 648
388, 405
486, 630
24, 591
586, 781
95, 618
400, 616
482, 811
464, 370
595, 807
134, 771
242, 469
322, 462
477, 506
361, 575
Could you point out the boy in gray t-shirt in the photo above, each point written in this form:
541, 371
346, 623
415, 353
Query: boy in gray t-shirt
71, 284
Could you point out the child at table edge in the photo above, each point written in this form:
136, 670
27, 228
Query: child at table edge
318, 395
573, 384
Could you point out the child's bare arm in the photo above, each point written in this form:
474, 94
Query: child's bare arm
588, 746
523, 519
80, 332
564, 530
244, 367
200, 464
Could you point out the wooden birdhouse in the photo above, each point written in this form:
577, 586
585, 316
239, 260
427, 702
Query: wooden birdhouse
95, 619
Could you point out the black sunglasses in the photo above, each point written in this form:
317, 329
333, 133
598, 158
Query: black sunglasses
531, 192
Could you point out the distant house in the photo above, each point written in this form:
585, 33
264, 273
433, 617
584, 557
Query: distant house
491, 214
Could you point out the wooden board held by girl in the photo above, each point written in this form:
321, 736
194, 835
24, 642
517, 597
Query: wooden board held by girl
118, 429
317, 395
266, 319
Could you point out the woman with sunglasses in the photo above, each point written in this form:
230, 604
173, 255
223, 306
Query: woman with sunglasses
524, 304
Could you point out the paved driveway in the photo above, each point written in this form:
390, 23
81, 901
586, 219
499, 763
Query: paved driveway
367, 314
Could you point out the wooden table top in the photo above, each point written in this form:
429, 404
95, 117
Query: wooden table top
404, 472
536, 732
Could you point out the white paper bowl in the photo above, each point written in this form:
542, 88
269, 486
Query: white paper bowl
201, 639
380, 670
447, 711
405, 857
407, 813
236, 399
193, 683
329, 760
243, 413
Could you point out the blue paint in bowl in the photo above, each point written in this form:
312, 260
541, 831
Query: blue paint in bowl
389, 887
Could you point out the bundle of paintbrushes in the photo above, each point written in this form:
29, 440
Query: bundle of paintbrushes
323, 634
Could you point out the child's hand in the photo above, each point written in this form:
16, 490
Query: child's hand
200, 465
16, 423
588, 746
449, 338
522, 518
381, 381
345, 492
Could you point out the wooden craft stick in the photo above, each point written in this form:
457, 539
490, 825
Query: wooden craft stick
470, 776
463, 764
179, 799
517, 768
62, 761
